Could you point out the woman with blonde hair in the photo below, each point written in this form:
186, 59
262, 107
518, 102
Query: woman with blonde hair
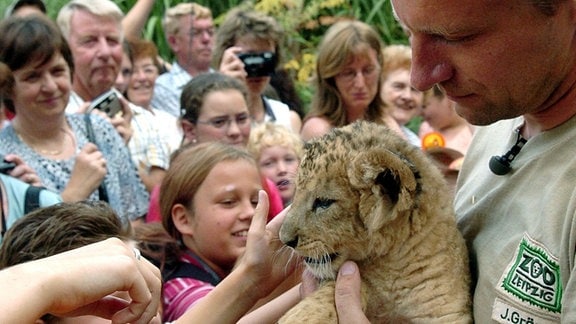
404, 100
348, 80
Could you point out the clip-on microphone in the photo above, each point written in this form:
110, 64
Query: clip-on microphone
500, 165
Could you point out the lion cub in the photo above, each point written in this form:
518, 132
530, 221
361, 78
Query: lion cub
364, 194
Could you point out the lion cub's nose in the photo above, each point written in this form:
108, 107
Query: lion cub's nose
292, 243
288, 233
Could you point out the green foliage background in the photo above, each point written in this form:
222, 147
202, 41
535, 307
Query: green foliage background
304, 22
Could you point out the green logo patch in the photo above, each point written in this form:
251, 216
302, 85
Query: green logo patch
535, 278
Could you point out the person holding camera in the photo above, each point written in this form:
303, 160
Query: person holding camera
96, 66
248, 48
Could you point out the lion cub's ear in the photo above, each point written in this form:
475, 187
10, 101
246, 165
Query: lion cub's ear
386, 183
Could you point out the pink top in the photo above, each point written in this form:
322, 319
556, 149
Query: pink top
153, 214
276, 204
181, 294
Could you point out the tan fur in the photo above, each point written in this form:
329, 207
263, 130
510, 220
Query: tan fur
364, 194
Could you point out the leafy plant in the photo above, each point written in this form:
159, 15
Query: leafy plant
304, 22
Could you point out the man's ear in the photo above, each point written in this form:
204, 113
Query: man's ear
182, 220
173, 43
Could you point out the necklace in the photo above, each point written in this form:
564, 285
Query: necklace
48, 152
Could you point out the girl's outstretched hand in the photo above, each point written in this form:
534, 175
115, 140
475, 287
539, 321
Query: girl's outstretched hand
268, 262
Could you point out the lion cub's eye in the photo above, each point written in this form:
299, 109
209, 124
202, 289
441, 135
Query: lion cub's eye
322, 203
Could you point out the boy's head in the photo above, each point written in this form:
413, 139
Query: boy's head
270, 134
25, 7
278, 151
58, 228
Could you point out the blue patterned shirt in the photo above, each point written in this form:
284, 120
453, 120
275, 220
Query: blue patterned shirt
168, 88
126, 192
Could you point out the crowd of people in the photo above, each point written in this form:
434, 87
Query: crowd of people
165, 183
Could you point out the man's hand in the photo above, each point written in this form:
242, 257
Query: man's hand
347, 295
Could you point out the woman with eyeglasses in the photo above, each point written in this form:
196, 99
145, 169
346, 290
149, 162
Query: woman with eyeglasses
347, 80
215, 109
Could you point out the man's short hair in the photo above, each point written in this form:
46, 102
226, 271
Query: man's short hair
15, 5
171, 21
103, 8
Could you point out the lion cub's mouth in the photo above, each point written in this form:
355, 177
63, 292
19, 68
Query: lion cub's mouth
326, 258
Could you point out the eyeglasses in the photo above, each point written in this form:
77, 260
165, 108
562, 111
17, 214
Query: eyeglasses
242, 120
349, 76
197, 32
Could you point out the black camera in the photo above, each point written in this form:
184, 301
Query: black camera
5, 166
259, 64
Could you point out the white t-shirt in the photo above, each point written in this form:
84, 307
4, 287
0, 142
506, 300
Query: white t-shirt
521, 227
278, 113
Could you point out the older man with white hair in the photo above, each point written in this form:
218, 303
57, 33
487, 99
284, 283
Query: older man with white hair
93, 29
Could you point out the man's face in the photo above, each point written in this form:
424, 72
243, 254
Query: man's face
96, 44
194, 42
495, 59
